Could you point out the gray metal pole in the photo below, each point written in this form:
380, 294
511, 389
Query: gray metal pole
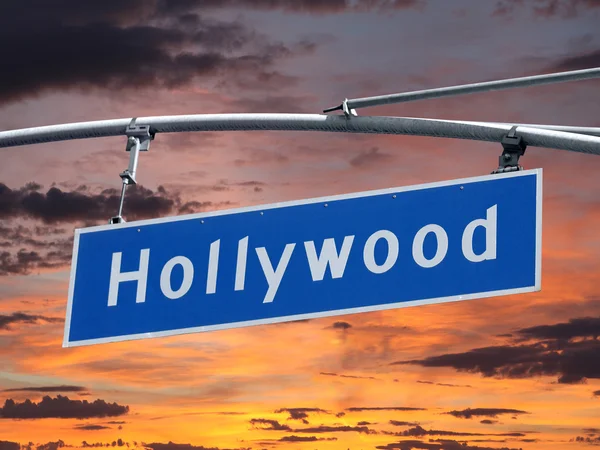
533, 136
590, 131
535, 80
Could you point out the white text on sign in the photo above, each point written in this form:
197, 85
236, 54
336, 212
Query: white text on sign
329, 256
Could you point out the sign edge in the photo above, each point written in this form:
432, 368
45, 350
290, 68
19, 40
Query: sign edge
69, 309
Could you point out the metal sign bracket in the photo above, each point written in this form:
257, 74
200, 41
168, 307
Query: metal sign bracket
138, 140
514, 147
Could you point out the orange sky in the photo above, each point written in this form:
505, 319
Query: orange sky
325, 383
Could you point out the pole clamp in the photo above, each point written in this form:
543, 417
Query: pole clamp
139, 132
138, 140
514, 147
347, 111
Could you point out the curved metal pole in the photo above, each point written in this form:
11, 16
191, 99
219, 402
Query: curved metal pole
479, 131
590, 131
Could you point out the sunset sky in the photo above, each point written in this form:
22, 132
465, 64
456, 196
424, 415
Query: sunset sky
513, 372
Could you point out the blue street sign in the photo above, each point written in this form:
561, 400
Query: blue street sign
433, 243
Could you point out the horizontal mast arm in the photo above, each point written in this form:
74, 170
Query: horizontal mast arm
534, 135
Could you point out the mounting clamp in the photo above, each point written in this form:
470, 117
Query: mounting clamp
138, 140
513, 148
347, 111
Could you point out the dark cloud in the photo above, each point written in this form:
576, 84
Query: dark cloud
445, 384
305, 439
173, 446
269, 424
577, 62
546, 8
436, 445
485, 412
341, 325
587, 440
596, 393
24, 261
49, 445
117, 443
91, 427
519, 361
568, 350
315, 6
127, 45
369, 157
418, 431
63, 388
19, 235
251, 183
384, 408
56, 205
8, 445
488, 422
274, 425
26, 249
331, 374
71, 11
60, 407
336, 429
574, 328
21, 318
301, 413
400, 423
31, 247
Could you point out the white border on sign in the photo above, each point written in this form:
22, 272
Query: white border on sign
71, 288
536, 287
538, 230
